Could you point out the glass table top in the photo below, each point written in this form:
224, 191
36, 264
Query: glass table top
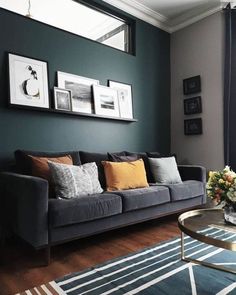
196, 223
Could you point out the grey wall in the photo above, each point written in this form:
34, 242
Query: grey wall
198, 50
148, 72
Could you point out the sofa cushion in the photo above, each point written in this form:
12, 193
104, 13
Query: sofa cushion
66, 212
135, 199
75, 181
186, 190
40, 166
87, 157
159, 155
125, 175
146, 164
114, 157
24, 162
164, 170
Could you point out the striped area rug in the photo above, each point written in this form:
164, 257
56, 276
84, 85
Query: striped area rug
155, 270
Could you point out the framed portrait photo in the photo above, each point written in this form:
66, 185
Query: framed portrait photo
192, 85
124, 97
81, 91
106, 101
28, 81
193, 126
62, 99
193, 105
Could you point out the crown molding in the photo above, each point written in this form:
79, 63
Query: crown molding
142, 12
194, 19
158, 20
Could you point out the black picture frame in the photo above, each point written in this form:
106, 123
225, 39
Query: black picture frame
192, 85
193, 105
193, 126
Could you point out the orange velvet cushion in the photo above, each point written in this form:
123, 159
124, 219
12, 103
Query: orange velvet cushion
125, 175
40, 166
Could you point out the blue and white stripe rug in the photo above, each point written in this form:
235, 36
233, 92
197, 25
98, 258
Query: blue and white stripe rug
155, 270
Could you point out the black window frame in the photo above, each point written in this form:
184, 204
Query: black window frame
131, 23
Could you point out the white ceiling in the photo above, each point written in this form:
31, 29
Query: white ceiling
170, 15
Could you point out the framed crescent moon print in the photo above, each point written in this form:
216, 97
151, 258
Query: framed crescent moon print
28, 81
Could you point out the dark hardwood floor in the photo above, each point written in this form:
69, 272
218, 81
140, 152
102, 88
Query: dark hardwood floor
20, 267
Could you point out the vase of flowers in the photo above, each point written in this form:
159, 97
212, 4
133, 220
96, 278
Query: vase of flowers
221, 188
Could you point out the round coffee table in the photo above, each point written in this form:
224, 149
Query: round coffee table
193, 223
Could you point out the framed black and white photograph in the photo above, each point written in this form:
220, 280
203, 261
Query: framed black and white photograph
62, 99
192, 85
106, 101
28, 81
81, 91
124, 97
193, 105
193, 126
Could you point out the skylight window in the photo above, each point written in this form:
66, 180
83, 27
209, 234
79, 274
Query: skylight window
78, 18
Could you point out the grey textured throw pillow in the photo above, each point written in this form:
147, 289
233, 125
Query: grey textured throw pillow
165, 170
75, 181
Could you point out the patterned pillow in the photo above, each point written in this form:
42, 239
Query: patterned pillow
75, 181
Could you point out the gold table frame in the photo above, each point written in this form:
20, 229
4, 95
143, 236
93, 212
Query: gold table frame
203, 238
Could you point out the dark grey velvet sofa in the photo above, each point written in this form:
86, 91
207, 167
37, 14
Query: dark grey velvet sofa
44, 221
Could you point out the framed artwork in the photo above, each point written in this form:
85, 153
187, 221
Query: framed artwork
193, 105
192, 85
106, 101
124, 97
28, 81
193, 126
81, 91
62, 99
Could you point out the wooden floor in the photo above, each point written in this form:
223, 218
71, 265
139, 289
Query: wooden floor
21, 270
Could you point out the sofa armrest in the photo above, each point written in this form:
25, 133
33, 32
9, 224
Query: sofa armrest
26, 206
191, 172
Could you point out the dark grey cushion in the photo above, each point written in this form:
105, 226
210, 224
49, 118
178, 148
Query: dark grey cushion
186, 190
87, 157
65, 212
115, 157
134, 199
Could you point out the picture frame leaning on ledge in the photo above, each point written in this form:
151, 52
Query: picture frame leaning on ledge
28, 81
62, 99
106, 101
81, 90
125, 98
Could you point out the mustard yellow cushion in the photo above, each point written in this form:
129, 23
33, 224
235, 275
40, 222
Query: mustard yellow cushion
125, 175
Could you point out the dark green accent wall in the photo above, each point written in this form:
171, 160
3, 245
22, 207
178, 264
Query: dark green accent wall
148, 72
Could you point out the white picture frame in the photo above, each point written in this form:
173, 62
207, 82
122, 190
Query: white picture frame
62, 99
124, 97
81, 91
28, 81
106, 101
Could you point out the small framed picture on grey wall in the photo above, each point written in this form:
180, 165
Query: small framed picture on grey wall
193, 126
192, 85
193, 105
28, 81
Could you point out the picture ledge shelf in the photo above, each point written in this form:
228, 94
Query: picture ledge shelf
50, 110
